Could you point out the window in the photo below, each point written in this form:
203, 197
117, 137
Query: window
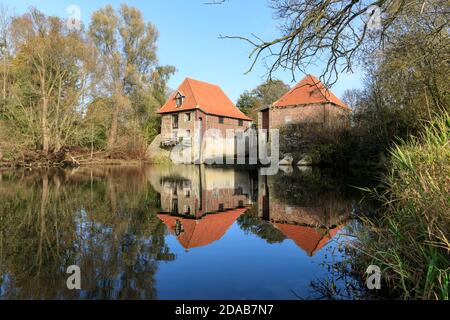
174, 206
287, 119
175, 121
188, 117
221, 207
240, 123
220, 119
179, 99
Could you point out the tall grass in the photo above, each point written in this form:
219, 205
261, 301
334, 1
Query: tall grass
410, 240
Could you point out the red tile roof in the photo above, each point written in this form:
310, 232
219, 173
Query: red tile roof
204, 231
204, 96
309, 239
307, 91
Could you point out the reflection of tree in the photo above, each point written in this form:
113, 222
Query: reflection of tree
101, 219
341, 281
250, 222
310, 188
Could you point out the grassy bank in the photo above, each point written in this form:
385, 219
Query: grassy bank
409, 241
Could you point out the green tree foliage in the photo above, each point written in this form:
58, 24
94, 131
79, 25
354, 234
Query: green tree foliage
251, 223
64, 88
247, 103
263, 95
5, 55
133, 79
270, 91
52, 69
406, 82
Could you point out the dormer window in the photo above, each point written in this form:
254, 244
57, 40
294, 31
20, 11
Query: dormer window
179, 99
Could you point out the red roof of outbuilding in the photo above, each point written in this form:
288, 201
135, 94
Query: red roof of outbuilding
309, 239
205, 96
307, 91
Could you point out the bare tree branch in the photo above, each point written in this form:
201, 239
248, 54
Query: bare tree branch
330, 31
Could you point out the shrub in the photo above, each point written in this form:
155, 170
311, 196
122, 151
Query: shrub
320, 143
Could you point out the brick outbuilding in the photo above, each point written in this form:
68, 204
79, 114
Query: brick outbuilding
308, 102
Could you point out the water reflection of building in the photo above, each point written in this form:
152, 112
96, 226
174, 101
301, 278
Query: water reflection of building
192, 233
310, 239
198, 203
310, 223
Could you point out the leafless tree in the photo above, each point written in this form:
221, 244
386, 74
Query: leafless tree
330, 31
5, 19
216, 2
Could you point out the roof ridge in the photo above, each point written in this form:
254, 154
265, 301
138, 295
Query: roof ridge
295, 87
205, 96
321, 87
312, 86
316, 247
188, 245
205, 82
287, 93
192, 90
328, 95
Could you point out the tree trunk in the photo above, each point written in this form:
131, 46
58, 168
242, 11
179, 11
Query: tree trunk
118, 101
45, 129
4, 77
5, 80
42, 215
44, 120
112, 136
112, 192
92, 141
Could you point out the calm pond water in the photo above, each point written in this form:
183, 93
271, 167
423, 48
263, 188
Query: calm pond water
174, 232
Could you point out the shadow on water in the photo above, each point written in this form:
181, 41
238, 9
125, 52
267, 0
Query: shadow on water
134, 231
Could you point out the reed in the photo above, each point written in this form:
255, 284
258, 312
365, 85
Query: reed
409, 241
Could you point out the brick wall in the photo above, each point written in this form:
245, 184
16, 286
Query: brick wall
210, 122
327, 114
337, 117
300, 114
211, 147
184, 124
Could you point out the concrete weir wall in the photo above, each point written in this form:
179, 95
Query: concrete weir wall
218, 148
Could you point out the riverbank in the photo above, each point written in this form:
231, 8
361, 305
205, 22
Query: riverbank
410, 238
66, 158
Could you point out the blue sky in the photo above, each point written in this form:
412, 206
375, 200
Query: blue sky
189, 38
